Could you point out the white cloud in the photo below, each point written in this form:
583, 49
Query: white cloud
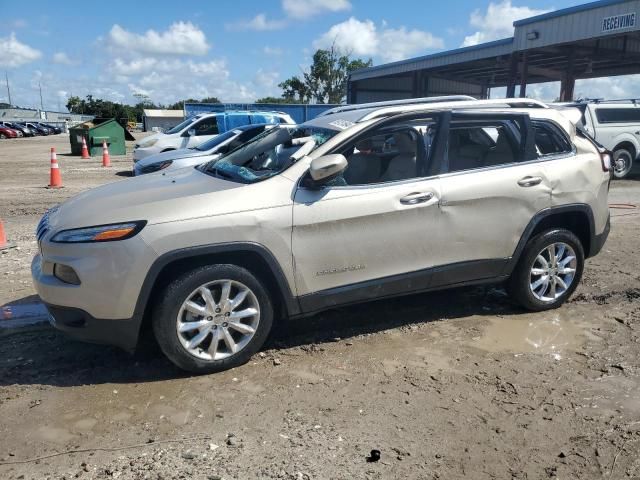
267, 80
13, 53
399, 44
364, 38
182, 38
259, 23
497, 22
62, 58
149, 65
272, 51
309, 8
626, 86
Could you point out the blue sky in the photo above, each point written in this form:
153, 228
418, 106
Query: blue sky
237, 51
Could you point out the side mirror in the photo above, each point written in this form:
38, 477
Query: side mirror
327, 167
191, 132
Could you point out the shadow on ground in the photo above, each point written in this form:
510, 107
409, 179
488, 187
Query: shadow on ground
48, 357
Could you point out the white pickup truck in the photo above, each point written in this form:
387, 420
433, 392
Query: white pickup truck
615, 124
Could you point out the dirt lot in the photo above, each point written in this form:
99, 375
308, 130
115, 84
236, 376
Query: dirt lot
445, 385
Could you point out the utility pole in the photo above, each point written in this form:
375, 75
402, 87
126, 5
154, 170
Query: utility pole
6, 76
40, 86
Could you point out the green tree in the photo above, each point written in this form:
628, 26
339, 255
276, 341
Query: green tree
326, 79
275, 100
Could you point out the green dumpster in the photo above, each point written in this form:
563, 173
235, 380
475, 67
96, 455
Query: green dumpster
95, 132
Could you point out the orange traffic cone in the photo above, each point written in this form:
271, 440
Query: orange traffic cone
85, 150
3, 237
56, 177
106, 161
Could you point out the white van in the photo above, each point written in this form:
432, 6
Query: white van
198, 129
616, 125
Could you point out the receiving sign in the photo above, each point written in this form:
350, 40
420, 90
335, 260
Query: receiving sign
618, 22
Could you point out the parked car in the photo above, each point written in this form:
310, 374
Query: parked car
357, 204
6, 132
48, 128
207, 151
26, 132
198, 129
37, 128
52, 128
29, 132
616, 125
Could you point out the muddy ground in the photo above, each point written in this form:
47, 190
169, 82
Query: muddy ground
445, 385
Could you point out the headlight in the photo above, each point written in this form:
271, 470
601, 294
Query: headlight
154, 167
101, 233
149, 143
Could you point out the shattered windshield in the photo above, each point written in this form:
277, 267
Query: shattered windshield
268, 154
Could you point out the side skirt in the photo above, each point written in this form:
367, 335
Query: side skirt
437, 278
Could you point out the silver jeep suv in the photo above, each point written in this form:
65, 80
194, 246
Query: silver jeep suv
363, 202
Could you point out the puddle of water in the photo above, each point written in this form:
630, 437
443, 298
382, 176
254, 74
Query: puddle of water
548, 334
23, 315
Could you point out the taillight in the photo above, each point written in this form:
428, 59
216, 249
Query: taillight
605, 158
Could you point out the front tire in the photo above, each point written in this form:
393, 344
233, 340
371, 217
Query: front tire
622, 163
213, 318
548, 270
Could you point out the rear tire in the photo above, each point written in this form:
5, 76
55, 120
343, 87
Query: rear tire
213, 318
622, 163
548, 271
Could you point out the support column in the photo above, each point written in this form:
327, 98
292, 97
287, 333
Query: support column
351, 91
524, 74
568, 81
484, 91
414, 84
513, 74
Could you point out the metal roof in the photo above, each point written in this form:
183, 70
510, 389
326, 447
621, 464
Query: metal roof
474, 52
163, 113
547, 37
567, 11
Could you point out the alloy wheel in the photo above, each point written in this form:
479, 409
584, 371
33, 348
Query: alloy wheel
218, 319
553, 272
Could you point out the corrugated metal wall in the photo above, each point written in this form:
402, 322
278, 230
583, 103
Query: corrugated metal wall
398, 88
571, 27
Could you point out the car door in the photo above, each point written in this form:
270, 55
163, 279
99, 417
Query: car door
202, 130
370, 236
492, 187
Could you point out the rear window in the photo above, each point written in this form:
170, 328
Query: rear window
549, 140
618, 115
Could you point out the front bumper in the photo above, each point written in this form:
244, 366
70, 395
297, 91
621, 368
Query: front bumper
598, 240
80, 325
140, 153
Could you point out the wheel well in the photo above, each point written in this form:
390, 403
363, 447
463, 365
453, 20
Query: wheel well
575, 221
627, 146
252, 261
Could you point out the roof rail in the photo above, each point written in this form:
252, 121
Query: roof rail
457, 104
406, 101
604, 100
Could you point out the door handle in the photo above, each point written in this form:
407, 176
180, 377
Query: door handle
529, 181
417, 197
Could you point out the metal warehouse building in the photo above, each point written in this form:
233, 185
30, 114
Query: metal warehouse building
598, 39
161, 120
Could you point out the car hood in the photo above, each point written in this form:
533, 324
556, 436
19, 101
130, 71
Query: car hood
157, 198
157, 136
170, 155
